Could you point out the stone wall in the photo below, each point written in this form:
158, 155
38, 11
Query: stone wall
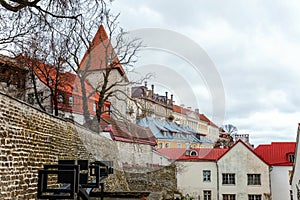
161, 180
30, 138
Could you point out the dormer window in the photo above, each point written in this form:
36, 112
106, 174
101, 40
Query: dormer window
193, 153
291, 157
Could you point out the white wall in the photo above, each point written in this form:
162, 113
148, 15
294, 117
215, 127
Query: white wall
241, 161
190, 178
280, 186
296, 171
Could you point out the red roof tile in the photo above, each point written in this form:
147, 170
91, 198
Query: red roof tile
276, 153
67, 82
202, 153
100, 54
181, 110
204, 118
127, 132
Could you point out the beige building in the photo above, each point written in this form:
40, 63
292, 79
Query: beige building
243, 175
197, 121
150, 104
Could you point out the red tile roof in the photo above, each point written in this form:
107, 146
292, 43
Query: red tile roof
276, 153
100, 54
66, 81
127, 132
204, 118
181, 110
202, 153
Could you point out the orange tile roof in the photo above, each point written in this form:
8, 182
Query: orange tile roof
181, 110
99, 54
276, 153
67, 82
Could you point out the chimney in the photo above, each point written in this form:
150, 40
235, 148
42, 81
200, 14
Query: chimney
197, 110
146, 84
187, 149
167, 98
171, 103
152, 87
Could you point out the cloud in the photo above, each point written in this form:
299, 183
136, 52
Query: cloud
255, 47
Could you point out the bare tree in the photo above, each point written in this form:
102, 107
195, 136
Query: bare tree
22, 18
59, 37
46, 64
230, 129
107, 57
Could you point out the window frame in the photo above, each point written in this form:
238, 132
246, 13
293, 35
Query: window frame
206, 177
71, 100
207, 195
30, 98
229, 197
167, 145
254, 197
253, 179
229, 179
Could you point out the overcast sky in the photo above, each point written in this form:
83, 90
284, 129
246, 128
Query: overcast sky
254, 46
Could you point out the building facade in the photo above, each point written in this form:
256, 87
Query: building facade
221, 174
280, 157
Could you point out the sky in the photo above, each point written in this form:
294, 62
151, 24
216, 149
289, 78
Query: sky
251, 50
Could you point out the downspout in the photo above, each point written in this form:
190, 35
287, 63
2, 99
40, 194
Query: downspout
217, 180
270, 185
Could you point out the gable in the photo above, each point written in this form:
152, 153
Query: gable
101, 54
241, 155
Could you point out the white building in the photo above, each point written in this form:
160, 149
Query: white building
295, 178
221, 174
280, 157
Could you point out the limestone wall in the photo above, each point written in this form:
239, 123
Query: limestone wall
30, 138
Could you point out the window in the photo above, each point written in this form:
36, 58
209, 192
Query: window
228, 178
254, 197
206, 175
207, 195
167, 145
228, 196
41, 96
193, 153
30, 98
291, 158
254, 179
71, 101
178, 145
107, 109
160, 145
60, 98
94, 106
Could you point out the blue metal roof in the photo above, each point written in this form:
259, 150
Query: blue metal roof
168, 130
